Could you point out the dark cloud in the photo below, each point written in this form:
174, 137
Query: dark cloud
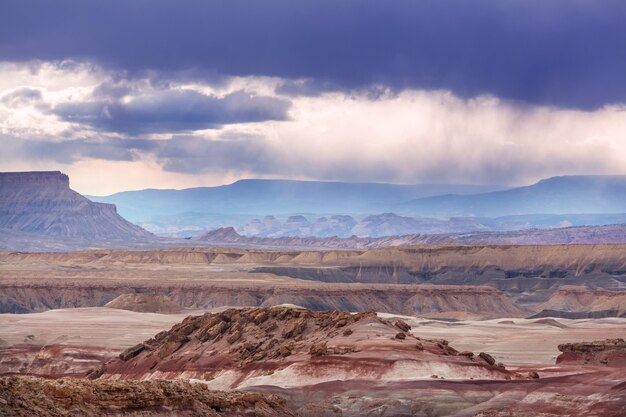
185, 154
167, 111
23, 96
193, 155
69, 151
560, 52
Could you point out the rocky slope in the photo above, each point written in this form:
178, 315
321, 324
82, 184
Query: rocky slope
54, 360
27, 396
609, 352
432, 281
568, 300
288, 347
42, 203
528, 273
424, 300
144, 303
358, 385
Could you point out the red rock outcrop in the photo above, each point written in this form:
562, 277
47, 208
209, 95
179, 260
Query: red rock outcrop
53, 360
27, 397
288, 347
609, 352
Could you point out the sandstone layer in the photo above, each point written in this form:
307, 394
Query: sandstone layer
144, 303
433, 281
42, 203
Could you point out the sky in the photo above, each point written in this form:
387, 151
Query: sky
133, 94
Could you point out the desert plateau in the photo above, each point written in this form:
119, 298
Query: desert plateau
312, 208
420, 331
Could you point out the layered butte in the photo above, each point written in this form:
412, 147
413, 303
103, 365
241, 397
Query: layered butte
42, 204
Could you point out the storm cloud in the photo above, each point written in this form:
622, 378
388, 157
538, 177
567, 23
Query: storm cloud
170, 111
566, 53
197, 92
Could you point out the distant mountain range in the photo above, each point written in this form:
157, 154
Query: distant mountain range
274, 208
39, 211
261, 197
557, 195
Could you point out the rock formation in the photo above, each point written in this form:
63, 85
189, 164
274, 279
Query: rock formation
431, 281
144, 303
28, 396
289, 347
606, 234
42, 203
609, 352
579, 301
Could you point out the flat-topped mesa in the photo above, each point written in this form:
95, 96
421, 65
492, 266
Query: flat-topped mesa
609, 352
43, 203
34, 179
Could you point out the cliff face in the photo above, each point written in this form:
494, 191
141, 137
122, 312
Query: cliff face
42, 203
429, 281
425, 300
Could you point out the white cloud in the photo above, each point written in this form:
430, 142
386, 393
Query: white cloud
413, 136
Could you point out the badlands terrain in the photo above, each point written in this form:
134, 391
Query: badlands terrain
432, 281
406, 331
100, 317
307, 363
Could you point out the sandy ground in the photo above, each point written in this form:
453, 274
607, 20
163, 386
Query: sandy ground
102, 327
518, 341
515, 342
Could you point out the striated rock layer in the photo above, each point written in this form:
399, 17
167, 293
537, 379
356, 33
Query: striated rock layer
289, 347
144, 303
426, 300
433, 281
572, 299
42, 203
